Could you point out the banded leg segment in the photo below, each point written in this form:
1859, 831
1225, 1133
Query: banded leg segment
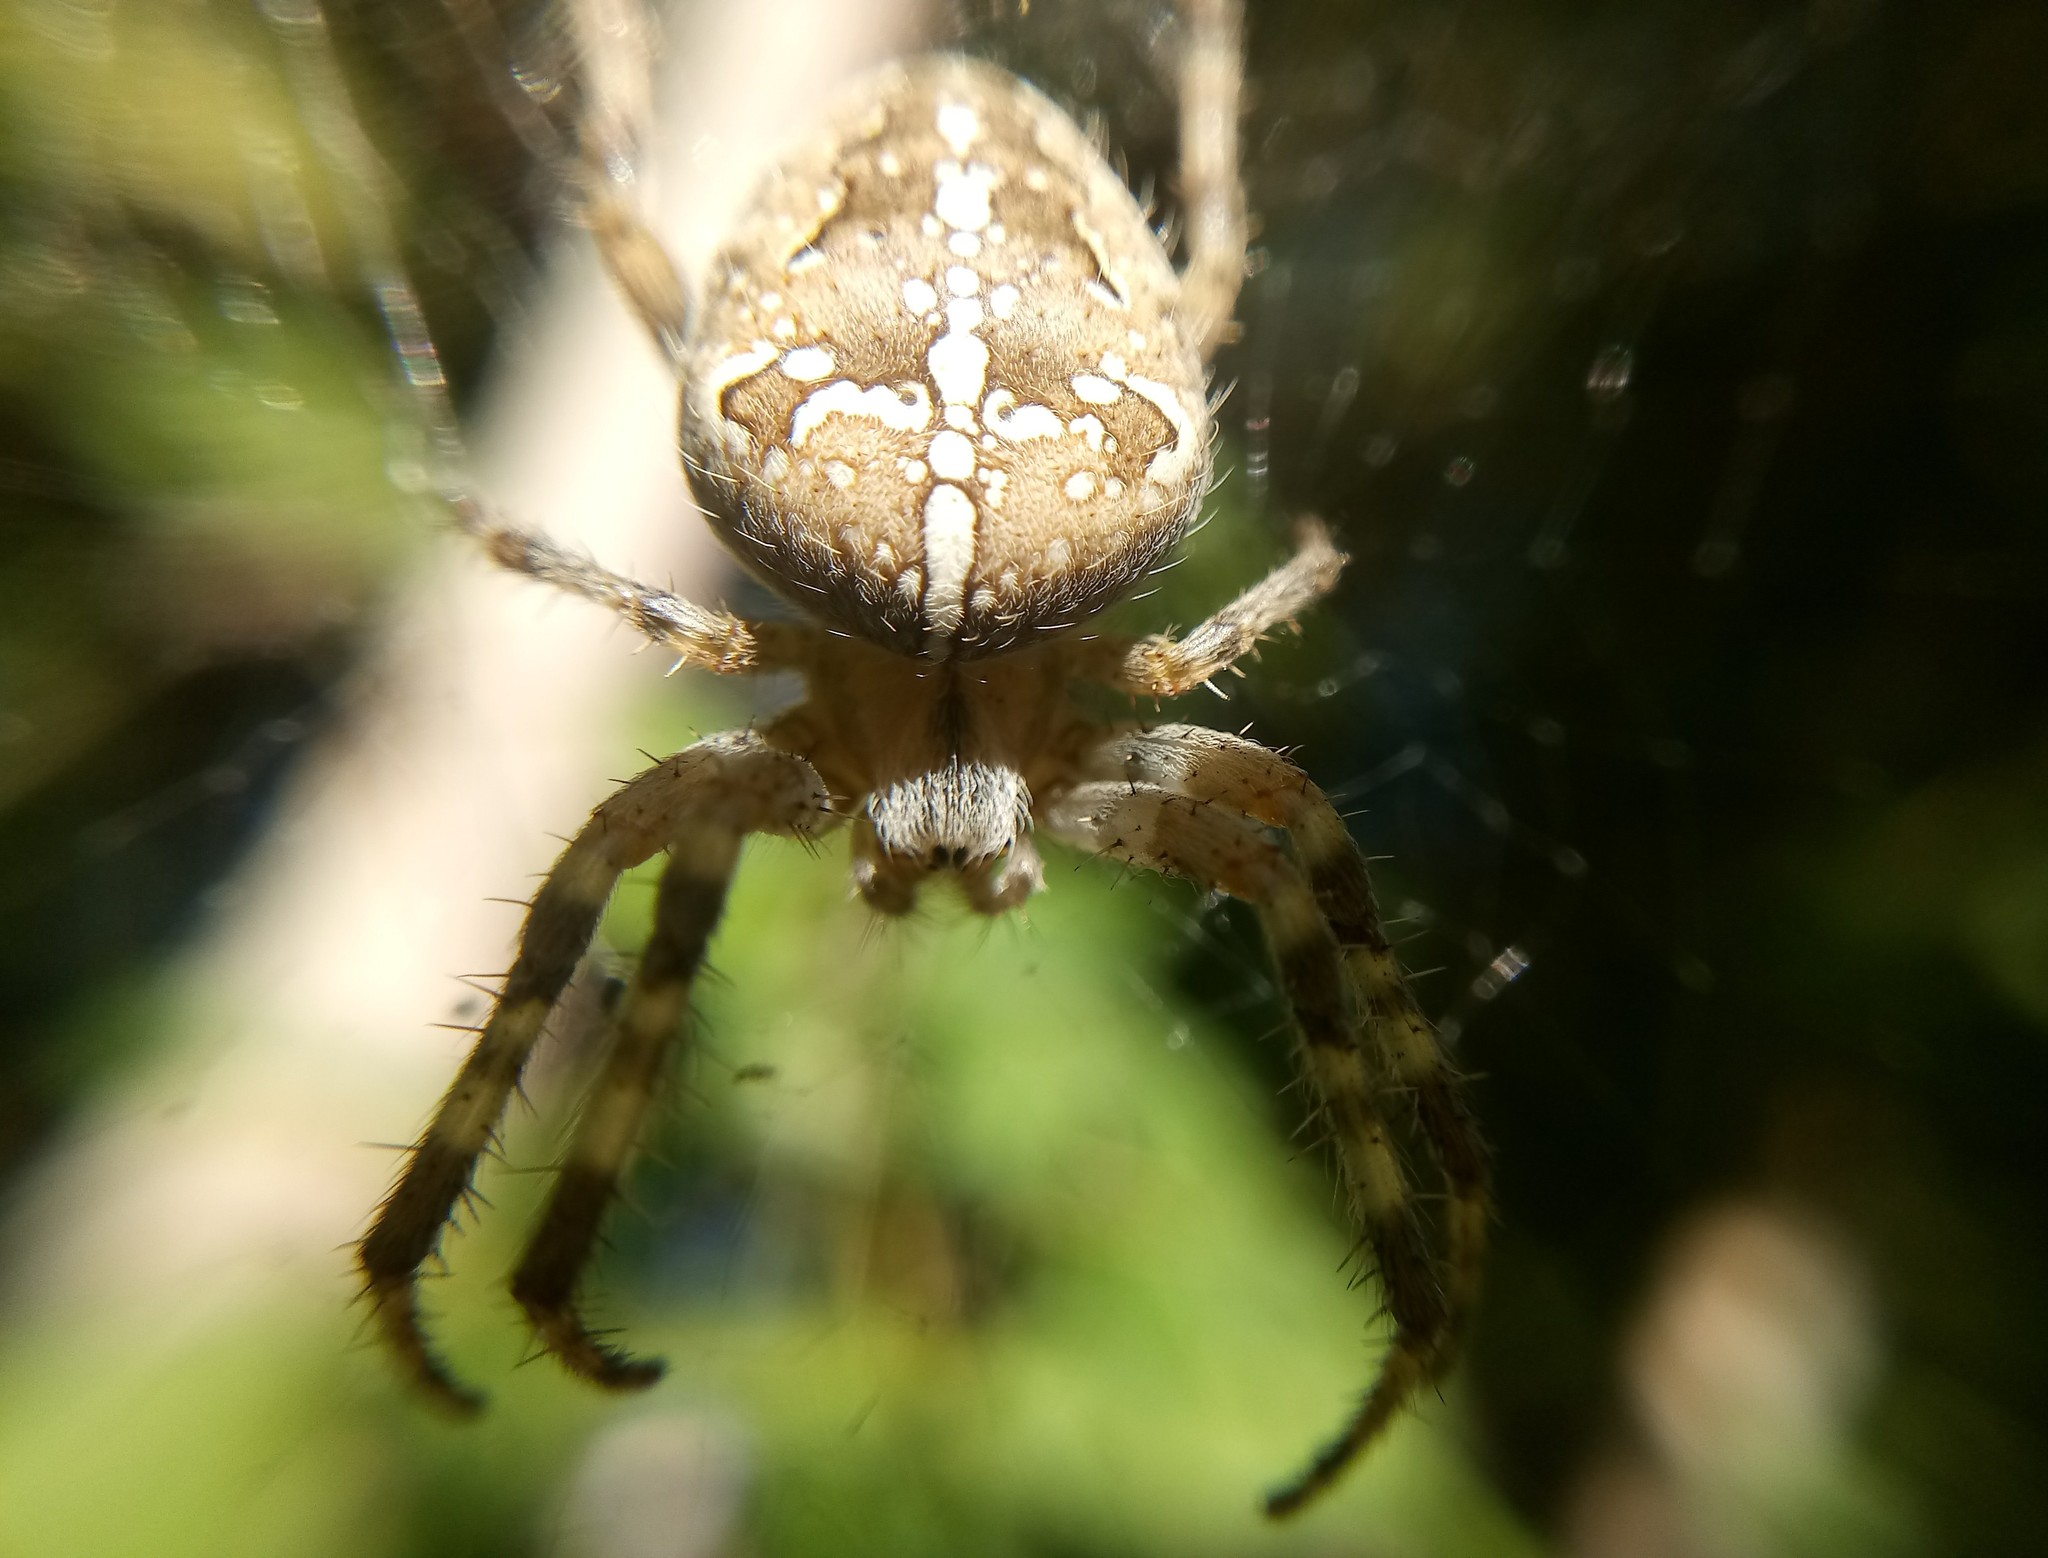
1163, 666
650, 1018
1213, 767
1225, 848
736, 781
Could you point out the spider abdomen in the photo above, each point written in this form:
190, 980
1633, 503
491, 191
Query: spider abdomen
939, 393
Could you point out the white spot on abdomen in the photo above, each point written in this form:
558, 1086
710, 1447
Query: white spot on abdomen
808, 364
958, 360
740, 365
958, 126
961, 199
948, 555
1171, 465
952, 456
907, 408
1026, 421
959, 366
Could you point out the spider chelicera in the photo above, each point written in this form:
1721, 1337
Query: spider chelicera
944, 391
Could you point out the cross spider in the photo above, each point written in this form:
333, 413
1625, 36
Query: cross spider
944, 391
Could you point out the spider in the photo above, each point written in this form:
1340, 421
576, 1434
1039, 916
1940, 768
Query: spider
943, 390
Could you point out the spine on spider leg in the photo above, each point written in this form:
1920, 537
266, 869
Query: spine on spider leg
409, 1224
687, 907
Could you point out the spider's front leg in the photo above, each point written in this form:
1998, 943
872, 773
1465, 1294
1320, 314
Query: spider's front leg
687, 907
699, 802
1196, 803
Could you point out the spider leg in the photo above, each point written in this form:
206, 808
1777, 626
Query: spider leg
687, 907
1212, 195
1197, 802
736, 780
700, 637
1213, 765
611, 34
1163, 666
613, 39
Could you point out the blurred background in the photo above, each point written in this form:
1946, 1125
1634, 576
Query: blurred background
1677, 377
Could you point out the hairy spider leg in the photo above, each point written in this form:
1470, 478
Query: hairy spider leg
1417, 1068
736, 781
1212, 195
650, 1019
407, 1230
1164, 665
701, 637
1214, 767
615, 42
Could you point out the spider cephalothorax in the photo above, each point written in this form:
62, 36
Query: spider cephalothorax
946, 394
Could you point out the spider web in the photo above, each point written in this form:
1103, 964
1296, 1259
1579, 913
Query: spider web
1673, 376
